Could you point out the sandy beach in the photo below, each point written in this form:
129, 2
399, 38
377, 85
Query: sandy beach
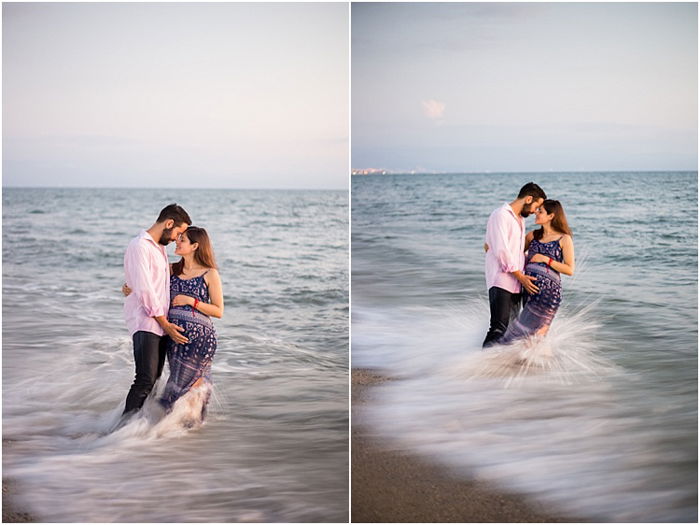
10, 513
388, 486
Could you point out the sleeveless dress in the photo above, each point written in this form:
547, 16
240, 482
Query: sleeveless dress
191, 361
540, 308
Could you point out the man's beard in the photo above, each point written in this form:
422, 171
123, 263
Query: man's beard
165, 237
527, 211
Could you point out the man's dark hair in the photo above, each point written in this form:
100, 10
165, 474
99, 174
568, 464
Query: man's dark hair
176, 213
532, 190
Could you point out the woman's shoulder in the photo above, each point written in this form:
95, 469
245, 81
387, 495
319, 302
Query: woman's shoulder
211, 273
566, 239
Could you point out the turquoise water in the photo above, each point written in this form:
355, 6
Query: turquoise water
606, 428
275, 447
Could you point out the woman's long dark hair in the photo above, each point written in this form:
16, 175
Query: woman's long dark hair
203, 255
559, 222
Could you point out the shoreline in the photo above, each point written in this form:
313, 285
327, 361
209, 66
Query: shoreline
391, 486
10, 512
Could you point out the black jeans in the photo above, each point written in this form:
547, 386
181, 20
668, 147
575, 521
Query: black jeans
149, 357
504, 308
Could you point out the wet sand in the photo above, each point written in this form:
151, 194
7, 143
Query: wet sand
389, 486
10, 513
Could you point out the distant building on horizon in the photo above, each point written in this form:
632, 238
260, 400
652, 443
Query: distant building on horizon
370, 171
384, 171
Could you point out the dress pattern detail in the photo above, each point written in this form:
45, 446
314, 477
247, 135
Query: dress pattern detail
191, 361
540, 308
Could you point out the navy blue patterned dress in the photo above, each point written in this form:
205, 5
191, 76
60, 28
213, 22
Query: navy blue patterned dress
191, 361
540, 308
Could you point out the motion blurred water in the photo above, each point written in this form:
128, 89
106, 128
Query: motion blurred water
275, 446
599, 418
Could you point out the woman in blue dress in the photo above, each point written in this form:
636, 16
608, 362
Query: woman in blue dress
196, 296
550, 252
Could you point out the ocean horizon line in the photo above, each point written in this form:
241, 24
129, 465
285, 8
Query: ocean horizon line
372, 171
161, 188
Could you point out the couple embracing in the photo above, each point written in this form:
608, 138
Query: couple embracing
168, 309
526, 267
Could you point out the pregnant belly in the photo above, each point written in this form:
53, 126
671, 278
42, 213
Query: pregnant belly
541, 269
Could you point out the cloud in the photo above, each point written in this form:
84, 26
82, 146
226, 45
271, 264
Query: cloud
433, 109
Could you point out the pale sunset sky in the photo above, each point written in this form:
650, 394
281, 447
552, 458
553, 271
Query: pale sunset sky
470, 87
218, 95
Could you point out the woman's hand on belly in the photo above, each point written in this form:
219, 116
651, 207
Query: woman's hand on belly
539, 258
183, 300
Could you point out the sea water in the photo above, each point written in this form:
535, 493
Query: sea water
275, 444
599, 418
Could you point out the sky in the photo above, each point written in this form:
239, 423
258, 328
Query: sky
524, 87
176, 95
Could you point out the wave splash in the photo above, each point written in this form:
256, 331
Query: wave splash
66, 456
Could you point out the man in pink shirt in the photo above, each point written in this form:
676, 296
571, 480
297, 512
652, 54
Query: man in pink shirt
146, 308
505, 259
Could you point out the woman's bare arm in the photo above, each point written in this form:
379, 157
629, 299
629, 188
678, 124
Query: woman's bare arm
568, 266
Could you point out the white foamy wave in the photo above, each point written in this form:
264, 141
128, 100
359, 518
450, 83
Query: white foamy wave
68, 453
552, 417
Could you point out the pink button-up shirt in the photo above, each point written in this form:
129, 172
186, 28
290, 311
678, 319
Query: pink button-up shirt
505, 235
146, 269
